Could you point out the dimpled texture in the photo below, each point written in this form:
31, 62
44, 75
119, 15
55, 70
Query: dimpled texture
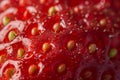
84, 45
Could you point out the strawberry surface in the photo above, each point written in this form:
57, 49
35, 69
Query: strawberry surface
59, 40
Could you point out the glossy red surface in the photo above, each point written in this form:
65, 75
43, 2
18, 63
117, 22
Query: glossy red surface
92, 26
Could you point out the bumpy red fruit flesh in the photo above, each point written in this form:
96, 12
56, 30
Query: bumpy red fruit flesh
59, 40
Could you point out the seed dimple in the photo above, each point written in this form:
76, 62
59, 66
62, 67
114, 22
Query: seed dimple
6, 20
70, 44
2, 58
42, 1
12, 35
46, 47
92, 48
9, 72
32, 69
61, 68
51, 11
34, 31
56, 27
80, 78
87, 74
22, 2
20, 53
103, 22
113, 53
107, 77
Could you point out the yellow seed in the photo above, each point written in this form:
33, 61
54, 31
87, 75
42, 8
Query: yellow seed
46, 47
70, 44
32, 69
12, 35
92, 48
113, 53
6, 20
51, 11
2, 58
34, 31
20, 53
61, 68
9, 72
56, 27
103, 22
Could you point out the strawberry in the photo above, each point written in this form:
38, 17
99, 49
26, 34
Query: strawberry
59, 40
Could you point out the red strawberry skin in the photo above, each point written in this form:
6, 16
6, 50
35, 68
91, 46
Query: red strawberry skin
59, 40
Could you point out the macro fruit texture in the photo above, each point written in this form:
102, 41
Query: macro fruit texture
59, 39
